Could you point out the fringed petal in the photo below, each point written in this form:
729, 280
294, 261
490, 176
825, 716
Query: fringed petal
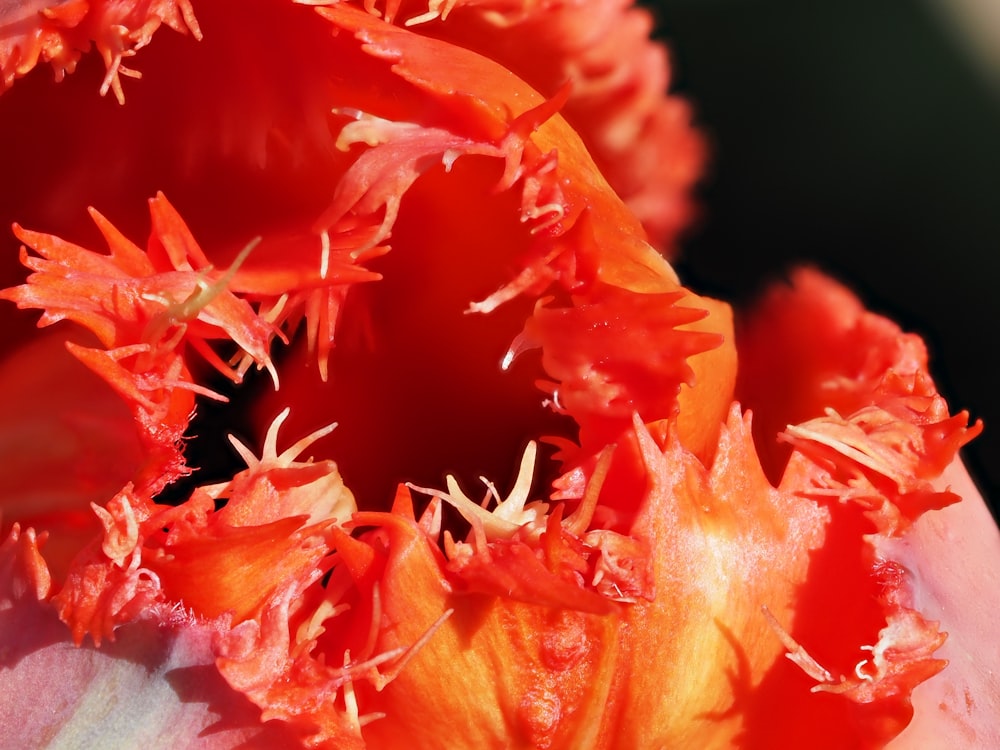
522, 551
881, 461
667, 578
143, 316
482, 101
58, 33
155, 685
272, 527
723, 542
876, 466
108, 584
958, 706
808, 346
301, 664
159, 677
642, 139
871, 435
556, 661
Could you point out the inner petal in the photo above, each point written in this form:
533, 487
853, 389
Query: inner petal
234, 128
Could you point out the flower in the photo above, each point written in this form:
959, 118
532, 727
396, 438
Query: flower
406, 197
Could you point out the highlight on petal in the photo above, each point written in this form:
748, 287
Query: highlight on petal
875, 469
874, 455
958, 705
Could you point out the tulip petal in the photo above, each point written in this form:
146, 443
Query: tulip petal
156, 684
142, 316
273, 524
58, 33
641, 139
958, 706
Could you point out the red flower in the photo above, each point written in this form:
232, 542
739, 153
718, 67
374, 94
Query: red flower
407, 197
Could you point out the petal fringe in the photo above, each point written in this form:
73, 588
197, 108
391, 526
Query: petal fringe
58, 33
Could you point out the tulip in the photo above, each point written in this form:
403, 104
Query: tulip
399, 248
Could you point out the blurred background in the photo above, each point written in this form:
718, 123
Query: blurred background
863, 137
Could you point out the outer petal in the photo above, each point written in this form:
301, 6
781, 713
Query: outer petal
540, 674
326, 660
808, 346
155, 685
617, 352
151, 558
959, 706
882, 457
732, 559
724, 543
576, 241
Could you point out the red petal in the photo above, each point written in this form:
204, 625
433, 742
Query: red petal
67, 441
142, 317
59, 33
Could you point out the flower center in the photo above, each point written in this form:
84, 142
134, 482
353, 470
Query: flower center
416, 384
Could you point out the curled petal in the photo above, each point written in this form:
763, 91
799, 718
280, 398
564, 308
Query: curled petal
832, 354
882, 462
270, 523
667, 578
617, 352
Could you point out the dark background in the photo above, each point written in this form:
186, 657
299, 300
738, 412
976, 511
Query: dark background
860, 136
